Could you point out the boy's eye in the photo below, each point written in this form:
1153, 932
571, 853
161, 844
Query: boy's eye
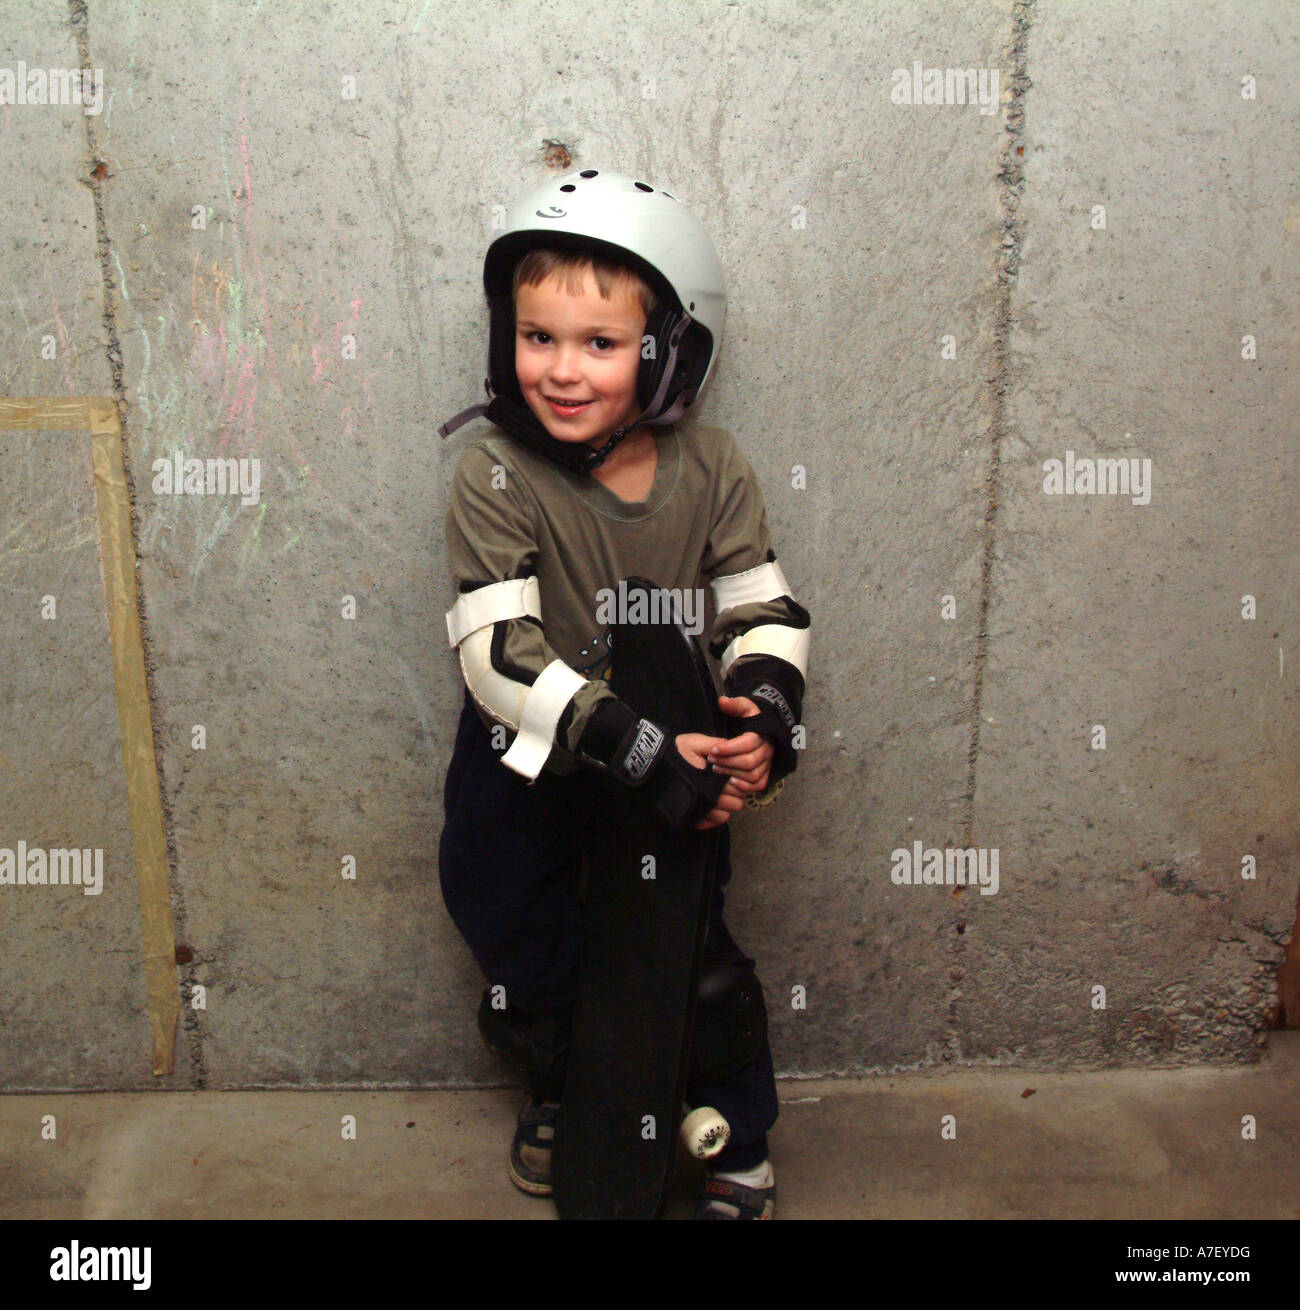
601, 343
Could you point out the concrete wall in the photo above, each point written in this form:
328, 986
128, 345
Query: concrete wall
857, 234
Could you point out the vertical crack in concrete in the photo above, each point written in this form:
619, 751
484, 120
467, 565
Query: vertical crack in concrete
1011, 185
97, 173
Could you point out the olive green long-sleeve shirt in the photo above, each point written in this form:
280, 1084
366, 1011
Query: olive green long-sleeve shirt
513, 513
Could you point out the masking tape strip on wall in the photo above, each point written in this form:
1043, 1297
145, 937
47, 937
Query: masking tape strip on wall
144, 801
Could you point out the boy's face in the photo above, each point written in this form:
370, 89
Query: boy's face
579, 348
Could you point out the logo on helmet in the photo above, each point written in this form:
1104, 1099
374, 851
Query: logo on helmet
552, 211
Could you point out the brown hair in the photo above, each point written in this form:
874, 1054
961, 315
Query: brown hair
537, 265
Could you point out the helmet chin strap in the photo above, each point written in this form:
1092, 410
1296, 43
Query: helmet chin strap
520, 421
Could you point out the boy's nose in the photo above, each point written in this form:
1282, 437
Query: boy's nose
564, 366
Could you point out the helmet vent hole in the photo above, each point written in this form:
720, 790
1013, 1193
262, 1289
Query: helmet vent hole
589, 172
692, 306
568, 186
641, 186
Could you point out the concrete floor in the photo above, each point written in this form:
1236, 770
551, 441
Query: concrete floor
1119, 1144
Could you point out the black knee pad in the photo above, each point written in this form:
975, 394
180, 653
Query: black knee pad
536, 1043
730, 1021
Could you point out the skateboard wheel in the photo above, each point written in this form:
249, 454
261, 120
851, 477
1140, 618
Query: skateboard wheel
705, 1132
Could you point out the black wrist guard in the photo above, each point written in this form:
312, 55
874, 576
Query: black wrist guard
776, 687
643, 754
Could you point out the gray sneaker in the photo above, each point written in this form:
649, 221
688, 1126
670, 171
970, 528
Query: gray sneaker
530, 1152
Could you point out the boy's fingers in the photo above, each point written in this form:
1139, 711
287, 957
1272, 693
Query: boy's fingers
715, 819
747, 741
730, 801
737, 776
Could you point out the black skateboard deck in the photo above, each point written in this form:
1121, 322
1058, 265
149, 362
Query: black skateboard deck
643, 940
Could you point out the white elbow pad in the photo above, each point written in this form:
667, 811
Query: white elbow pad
533, 711
512, 599
757, 586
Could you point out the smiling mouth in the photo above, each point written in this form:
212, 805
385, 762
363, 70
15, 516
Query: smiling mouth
557, 400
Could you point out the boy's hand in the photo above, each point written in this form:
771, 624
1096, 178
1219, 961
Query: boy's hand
694, 748
747, 758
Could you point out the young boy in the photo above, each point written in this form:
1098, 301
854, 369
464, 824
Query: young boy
607, 304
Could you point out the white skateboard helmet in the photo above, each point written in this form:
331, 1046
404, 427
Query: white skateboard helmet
652, 232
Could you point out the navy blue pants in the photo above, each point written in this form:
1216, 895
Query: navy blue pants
508, 862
